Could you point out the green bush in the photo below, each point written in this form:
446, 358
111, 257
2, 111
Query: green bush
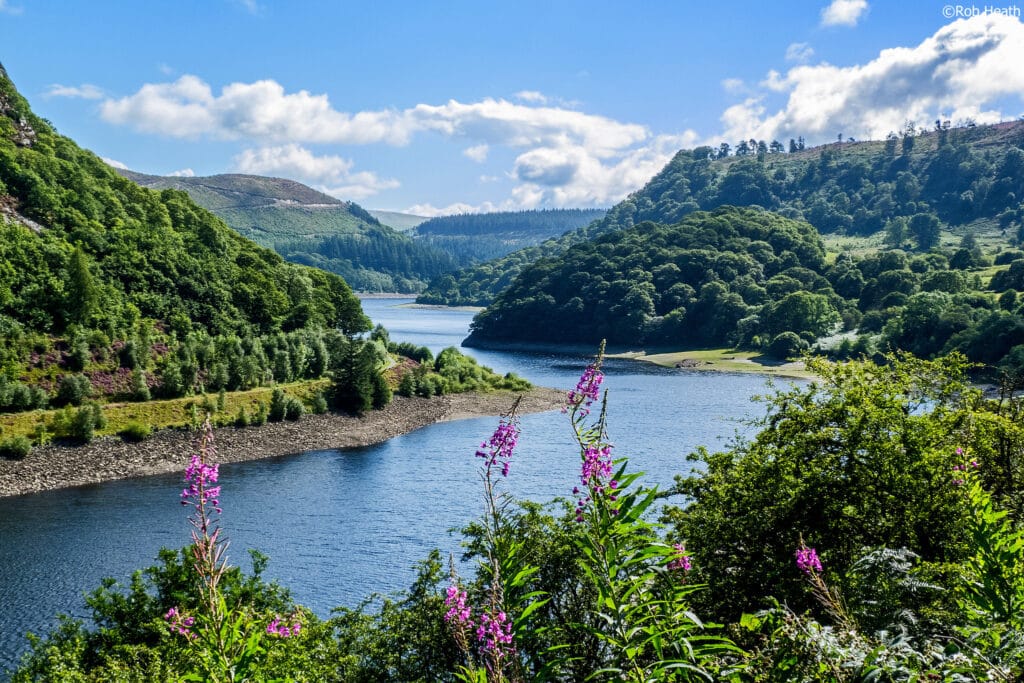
319, 403
72, 390
261, 414
15, 447
293, 409
136, 431
242, 418
278, 405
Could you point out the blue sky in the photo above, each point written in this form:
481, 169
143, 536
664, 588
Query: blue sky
444, 106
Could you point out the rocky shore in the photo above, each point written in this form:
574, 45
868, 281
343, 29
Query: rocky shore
104, 459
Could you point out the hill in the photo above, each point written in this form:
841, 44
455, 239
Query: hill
965, 179
309, 227
700, 281
471, 238
402, 222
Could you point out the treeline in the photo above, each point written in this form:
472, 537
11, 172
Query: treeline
371, 260
472, 238
908, 188
543, 222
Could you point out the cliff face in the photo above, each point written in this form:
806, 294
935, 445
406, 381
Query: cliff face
24, 135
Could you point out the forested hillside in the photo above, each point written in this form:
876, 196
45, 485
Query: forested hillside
908, 187
309, 227
707, 280
471, 238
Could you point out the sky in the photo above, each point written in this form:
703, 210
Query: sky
444, 106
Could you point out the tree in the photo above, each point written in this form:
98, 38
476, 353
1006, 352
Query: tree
860, 458
925, 229
83, 294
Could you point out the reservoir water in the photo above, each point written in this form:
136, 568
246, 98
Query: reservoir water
339, 525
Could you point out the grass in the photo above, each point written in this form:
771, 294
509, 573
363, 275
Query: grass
161, 414
722, 360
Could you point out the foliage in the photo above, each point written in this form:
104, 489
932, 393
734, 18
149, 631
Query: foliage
136, 431
689, 283
15, 447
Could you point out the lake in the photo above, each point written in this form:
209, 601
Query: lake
339, 525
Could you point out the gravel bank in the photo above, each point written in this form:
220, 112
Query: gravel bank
59, 466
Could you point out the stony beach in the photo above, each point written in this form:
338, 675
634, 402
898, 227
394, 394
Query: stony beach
60, 466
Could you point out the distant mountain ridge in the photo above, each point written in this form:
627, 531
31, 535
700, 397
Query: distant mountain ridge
312, 228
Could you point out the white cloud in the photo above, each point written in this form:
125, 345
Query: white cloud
843, 12
183, 173
84, 91
263, 111
733, 85
115, 163
533, 96
430, 211
329, 173
966, 69
799, 52
9, 9
477, 153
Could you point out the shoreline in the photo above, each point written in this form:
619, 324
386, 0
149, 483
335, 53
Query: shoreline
108, 458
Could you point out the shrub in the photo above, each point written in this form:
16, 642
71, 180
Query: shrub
786, 345
72, 390
260, 417
293, 408
242, 418
278, 402
15, 447
319, 403
136, 431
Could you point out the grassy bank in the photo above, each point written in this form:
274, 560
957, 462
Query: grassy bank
720, 360
161, 414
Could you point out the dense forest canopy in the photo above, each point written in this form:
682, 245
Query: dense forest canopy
703, 280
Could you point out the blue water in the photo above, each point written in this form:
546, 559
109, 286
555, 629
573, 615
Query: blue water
339, 525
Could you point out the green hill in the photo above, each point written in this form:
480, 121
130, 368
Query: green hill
705, 280
309, 227
471, 238
968, 179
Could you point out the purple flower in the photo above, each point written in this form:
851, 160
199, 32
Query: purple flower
500, 446
807, 560
681, 559
180, 623
587, 389
458, 611
281, 629
494, 634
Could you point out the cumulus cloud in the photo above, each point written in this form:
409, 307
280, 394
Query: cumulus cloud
477, 153
183, 173
84, 91
799, 52
965, 70
329, 173
565, 155
843, 12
